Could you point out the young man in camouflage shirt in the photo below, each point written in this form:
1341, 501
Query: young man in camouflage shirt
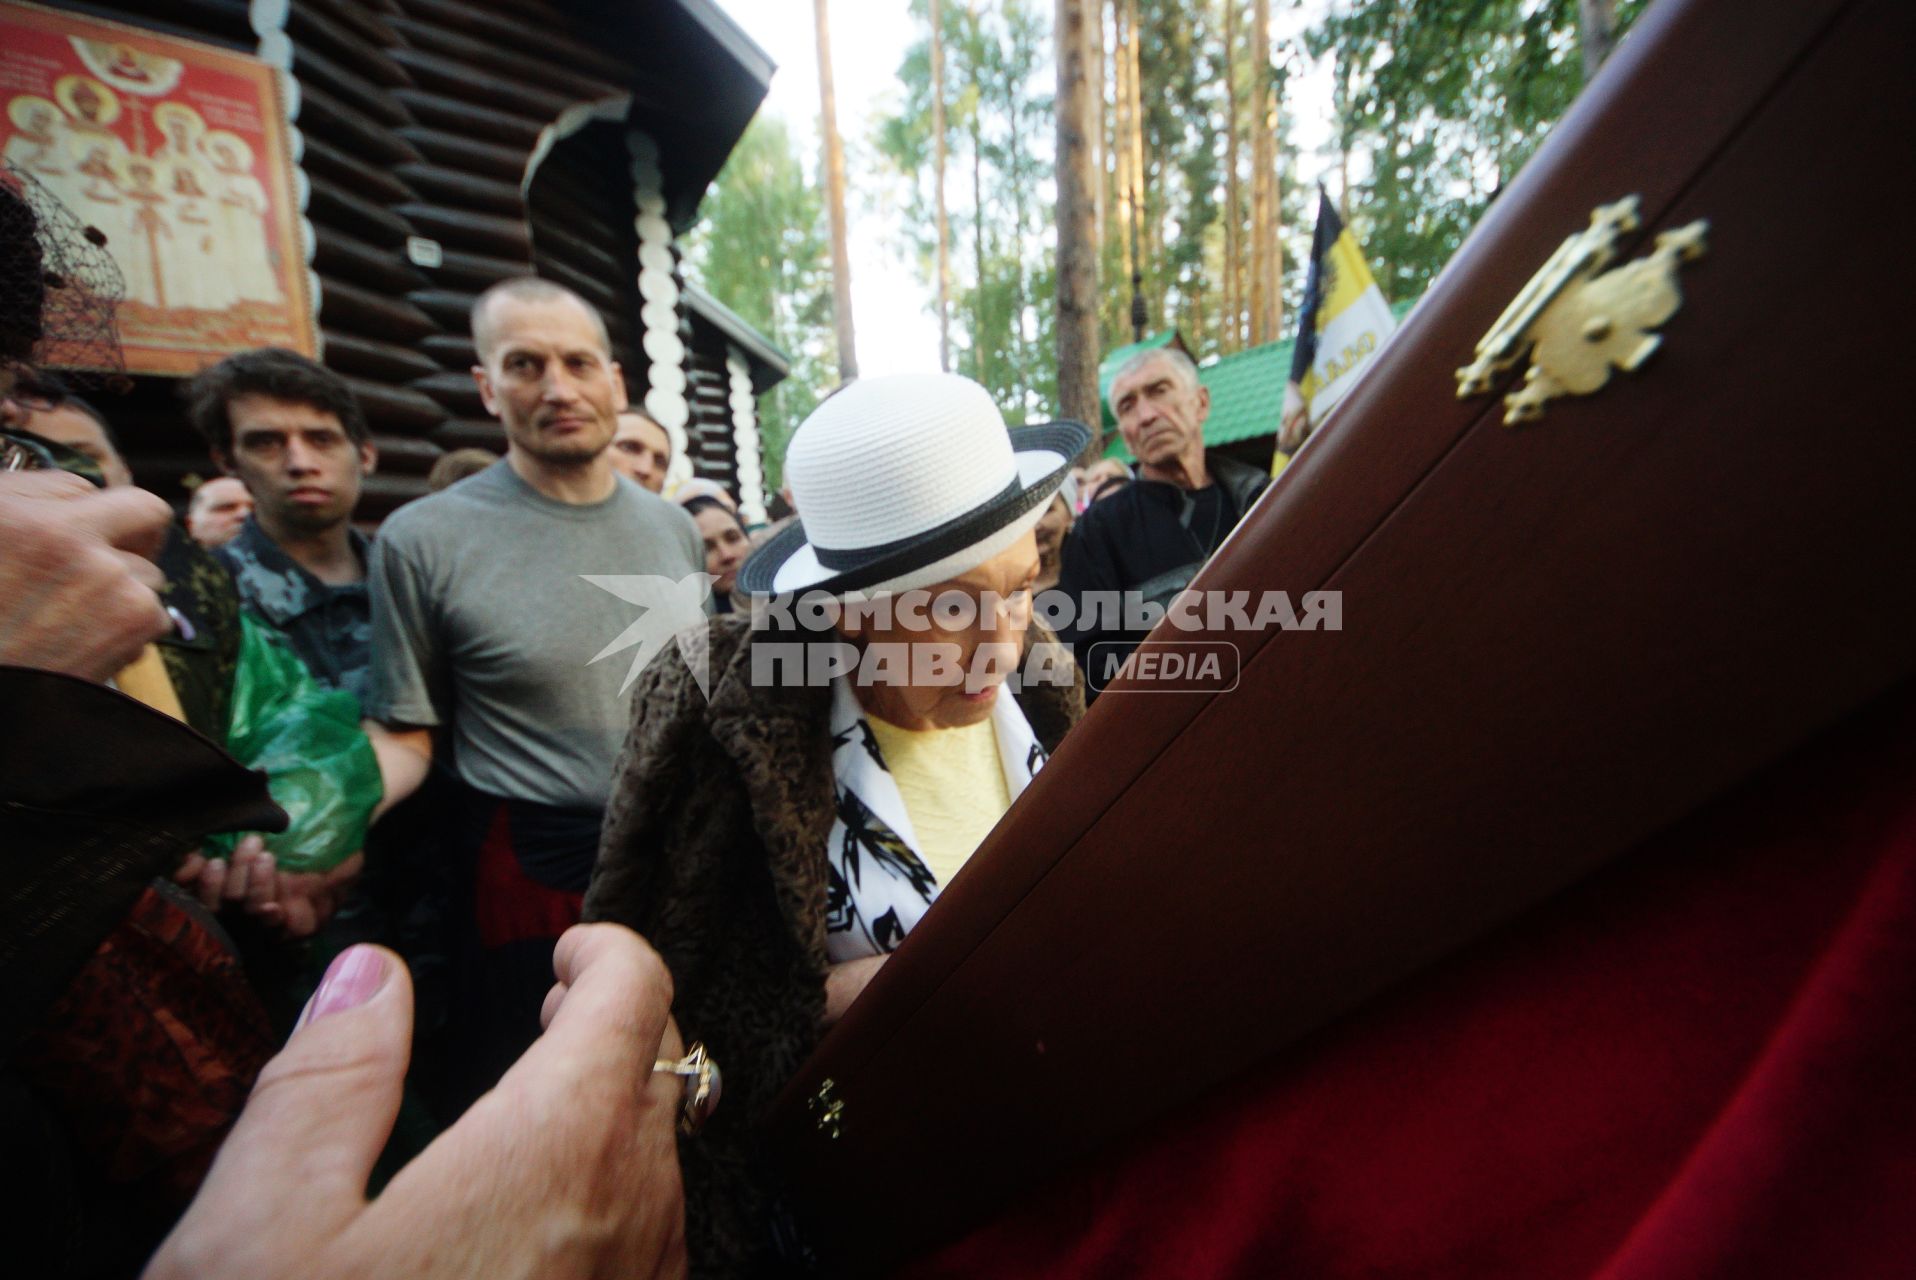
292, 431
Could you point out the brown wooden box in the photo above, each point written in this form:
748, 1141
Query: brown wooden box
1557, 639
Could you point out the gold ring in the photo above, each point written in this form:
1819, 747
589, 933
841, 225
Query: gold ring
703, 1085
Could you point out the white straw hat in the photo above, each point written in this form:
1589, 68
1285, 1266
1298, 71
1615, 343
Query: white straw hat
906, 481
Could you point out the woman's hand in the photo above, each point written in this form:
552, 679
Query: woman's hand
78, 593
844, 982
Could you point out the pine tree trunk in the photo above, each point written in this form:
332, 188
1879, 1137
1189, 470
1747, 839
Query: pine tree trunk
1243, 212
938, 150
835, 191
981, 366
1263, 178
1121, 143
1021, 357
1597, 32
1152, 195
1098, 124
1077, 326
1277, 214
1232, 327
1138, 175
1200, 329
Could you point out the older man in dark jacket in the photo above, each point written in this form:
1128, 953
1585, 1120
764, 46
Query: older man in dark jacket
1144, 543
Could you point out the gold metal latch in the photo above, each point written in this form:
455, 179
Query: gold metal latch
1576, 324
829, 1110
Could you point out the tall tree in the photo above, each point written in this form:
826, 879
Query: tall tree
1000, 88
1233, 326
1597, 22
1134, 114
835, 190
938, 147
1444, 105
1179, 84
980, 321
1018, 53
1122, 176
1077, 301
1094, 68
760, 248
1274, 324
1266, 264
1114, 249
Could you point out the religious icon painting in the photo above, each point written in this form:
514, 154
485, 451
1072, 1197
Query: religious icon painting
176, 152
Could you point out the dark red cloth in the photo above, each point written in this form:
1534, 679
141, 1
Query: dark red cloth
516, 879
149, 1053
1701, 1062
508, 904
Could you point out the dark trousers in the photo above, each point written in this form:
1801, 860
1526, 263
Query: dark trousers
519, 874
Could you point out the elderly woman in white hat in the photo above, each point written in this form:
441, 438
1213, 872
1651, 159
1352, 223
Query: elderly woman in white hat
779, 825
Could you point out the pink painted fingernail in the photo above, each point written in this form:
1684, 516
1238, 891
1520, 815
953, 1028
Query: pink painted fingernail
351, 980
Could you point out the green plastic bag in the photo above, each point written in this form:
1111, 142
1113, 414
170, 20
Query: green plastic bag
306, 737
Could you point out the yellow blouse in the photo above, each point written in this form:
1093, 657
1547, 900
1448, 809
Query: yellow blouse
953, 786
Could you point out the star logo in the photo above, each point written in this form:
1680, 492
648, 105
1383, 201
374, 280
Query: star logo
669, 608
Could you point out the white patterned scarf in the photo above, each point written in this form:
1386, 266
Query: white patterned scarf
878, 887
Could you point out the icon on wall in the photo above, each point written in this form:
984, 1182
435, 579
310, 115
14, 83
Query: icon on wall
176, 152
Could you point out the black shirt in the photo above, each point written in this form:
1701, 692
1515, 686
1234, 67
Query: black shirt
1143, 544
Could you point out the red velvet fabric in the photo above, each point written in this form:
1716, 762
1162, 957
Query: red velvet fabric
1701, 1062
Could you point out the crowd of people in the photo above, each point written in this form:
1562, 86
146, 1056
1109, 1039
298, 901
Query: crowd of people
460, 767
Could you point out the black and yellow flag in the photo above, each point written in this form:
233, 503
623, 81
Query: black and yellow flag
1344, 321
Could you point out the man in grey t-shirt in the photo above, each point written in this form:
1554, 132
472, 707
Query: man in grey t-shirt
486, 627
489, 624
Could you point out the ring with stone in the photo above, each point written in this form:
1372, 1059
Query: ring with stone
702, 1086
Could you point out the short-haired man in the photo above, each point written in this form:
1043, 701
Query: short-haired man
1149, 539
488, 627
216, 511
292, 431
642, 449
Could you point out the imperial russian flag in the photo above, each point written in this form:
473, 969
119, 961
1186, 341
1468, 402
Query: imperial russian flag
1344, 322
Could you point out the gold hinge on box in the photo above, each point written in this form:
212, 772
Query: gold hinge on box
1577, 324
829, 1110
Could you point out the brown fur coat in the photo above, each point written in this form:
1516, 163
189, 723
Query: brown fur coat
714, 850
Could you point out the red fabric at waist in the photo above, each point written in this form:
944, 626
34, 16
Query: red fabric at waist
509, 905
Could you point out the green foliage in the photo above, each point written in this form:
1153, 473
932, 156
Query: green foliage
761, 248
1447, 98
1439, 102
999, 187
1181, 87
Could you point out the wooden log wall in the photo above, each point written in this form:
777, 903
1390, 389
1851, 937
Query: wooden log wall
417, 119
708, 390
585, 242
